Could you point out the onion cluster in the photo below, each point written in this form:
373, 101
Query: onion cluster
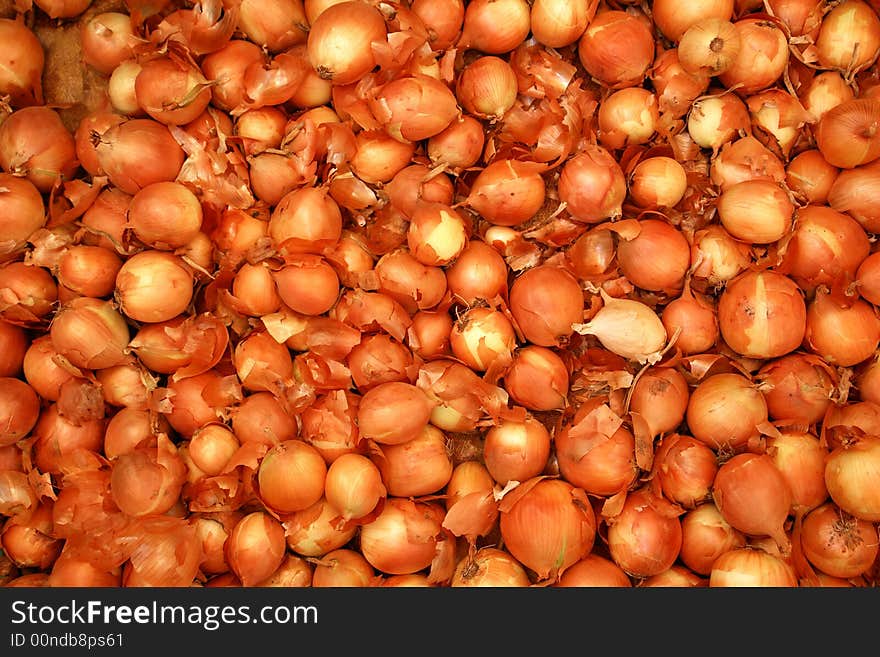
441, 293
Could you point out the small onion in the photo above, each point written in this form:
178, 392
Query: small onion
849, 469
706, 535
837, 543
725, 410
645, 537
751, 567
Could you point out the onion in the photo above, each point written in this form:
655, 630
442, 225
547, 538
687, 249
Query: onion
745, 158
538, 379
508, 192
420, 466
706, 535
592, 571
754, 497
489, 567
22, 64
848, 469
645, 537
516, 451
762, 314
108, 39
656, 258
751, 567
19, 410
762, 58
626, 327
847, 135
142, 275
560, 23
35, 144
394, 412
275, 25
340, 41
596, 451
14, 345
22, 204
851, 192
545, 302
797, 387
843, 334
148, 479
459, 145
403, 537
592, 185
343, 567
317, 530
709, 47
725, 411
138, 152
354, 485
443, 20
255, 547
684, 470
547, 525
673, 19
694, 318
837, 543
848, 37
90, 333
657, 182
616, 49
756, 211
494, 27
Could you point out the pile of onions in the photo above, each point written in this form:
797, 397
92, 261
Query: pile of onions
440, 293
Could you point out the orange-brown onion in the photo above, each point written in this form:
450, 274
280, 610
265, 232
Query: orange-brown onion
165, 215
403, 538
617, 48
644, 537
837, 543
307, 284
756, 211
378, 358
725, 410
843, 333
341, 568
762, 57
559, 23
693, 317
294, 572
148, 479
275, 25
340, 41
420, 466
717, 256
171, 91
745, 158
852, 192
481, 337
443, 19
848, 38
709, 46
459, 145
798, 388
537, 378
35, 144
592, 185
592, 253
508, 192
90, 333
19, 409
545, 301
316, 529
211, 447
154, 286
22, 204
706, 535
656, 258
762, 314
28, 541
847, 134
548, 525
673, 19
627, 117
354, 485
676, 88
516, 450
754, 497
657, 182
30, 291
489, 567
414, 285
378, 156
848, 470
88, 271
660, 397
868, 278
494, 27
394, 412
684, 470
675, 576
717, 118
751, 567
14, 345
594, 570
600, 464
437, 233
487, 87
256, 547
138, 152
22, 64
479, 273
826, 247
